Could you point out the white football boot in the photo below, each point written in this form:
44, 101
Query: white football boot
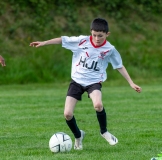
78, 141
110, 138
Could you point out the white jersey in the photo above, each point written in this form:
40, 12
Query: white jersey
89, 62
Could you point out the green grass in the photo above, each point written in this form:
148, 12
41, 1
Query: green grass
31, 114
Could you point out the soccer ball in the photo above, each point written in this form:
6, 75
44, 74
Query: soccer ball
60, 142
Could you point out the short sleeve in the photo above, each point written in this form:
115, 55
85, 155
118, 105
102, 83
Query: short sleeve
115, 59
71, 43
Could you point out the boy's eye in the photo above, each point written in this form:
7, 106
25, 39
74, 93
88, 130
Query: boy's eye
97, 35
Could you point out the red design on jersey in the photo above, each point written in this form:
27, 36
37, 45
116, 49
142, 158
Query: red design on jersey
82, 42
106, 51
101, 77
87, 54
103, 54
78, 64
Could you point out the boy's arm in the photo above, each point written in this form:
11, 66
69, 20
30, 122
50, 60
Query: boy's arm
42, 43
125, 74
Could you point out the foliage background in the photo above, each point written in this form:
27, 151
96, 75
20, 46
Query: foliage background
135, 27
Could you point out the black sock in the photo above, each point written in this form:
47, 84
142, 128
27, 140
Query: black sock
101, 116
74, 128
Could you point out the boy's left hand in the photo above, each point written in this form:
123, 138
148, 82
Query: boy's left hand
136, 88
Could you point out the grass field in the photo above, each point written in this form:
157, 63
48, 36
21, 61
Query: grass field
31, 114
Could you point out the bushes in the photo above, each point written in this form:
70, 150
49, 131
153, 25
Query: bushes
135, 31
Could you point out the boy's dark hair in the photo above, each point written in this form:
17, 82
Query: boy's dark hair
100, 25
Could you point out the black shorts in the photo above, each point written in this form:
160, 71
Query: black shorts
76, 90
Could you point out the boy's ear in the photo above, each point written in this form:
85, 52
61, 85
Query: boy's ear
108, 33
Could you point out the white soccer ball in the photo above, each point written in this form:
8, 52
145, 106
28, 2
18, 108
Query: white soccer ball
60, 142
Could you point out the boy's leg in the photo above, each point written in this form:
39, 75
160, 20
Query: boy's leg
71, 122
74, 94
96, 97
70, 119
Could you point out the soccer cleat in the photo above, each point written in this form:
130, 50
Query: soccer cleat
78, 141
110, 138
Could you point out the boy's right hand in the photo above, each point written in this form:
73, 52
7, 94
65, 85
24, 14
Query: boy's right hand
37, 44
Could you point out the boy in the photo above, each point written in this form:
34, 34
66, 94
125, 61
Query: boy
91, 55
2, 61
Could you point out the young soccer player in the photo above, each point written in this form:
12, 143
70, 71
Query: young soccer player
91, 55
2, 61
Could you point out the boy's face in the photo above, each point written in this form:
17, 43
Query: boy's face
98, 38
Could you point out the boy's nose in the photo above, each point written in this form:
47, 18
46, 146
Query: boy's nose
97, 38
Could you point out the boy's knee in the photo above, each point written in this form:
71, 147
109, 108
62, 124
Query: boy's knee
98, 106
68, 116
